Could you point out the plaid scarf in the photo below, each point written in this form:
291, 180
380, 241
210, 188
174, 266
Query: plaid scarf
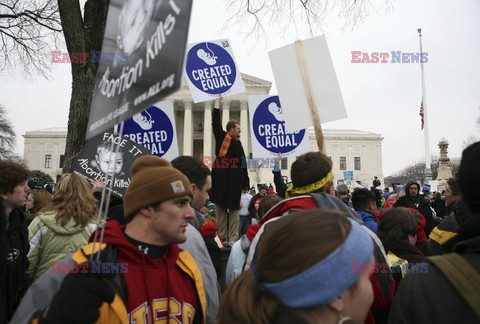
226, 144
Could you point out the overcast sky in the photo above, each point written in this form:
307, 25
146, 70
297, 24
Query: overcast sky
379, 98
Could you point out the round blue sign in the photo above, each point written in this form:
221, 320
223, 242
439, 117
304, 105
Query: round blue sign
210, 68
152, 129
269, 128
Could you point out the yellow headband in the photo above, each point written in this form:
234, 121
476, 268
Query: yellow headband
295, 191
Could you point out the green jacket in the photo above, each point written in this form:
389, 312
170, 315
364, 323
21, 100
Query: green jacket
49, 241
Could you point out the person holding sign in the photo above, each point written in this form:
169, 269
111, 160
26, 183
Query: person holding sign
228, 175
141, 274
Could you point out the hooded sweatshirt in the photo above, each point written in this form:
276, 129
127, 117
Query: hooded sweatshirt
152, 283
419, 203
50, 241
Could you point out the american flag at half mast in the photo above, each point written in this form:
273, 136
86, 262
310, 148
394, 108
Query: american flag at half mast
421, 113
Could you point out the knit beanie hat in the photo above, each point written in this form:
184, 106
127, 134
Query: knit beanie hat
469, 177
153, 180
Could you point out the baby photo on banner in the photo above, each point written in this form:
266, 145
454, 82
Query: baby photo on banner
269, 137
154, 129
100, 160
141, 61
211, 70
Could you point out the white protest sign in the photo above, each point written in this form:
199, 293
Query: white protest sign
211, 70
269, 136
290, 83
141, 60
154, 129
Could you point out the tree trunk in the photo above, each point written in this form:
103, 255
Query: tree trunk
82, 35
83, 82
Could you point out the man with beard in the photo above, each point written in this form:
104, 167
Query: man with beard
413, 199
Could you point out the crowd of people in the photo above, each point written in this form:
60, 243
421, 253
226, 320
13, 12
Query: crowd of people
305, 252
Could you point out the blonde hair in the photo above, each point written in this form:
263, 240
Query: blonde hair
73, 198
41, 199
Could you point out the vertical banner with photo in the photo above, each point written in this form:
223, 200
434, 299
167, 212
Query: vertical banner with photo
211, 70
154, 129
269, 136
97, 160
141, 61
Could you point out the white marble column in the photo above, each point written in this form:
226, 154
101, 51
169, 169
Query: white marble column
225, 113
207, 129
187, 128
244, 126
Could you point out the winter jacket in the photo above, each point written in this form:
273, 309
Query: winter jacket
14, 264
229, 174
445, 231
254, 202
369, 220
383, 283
404, 250
440, 207
389, 202
50, 241
430, 297
280, 185
245, 200
175, 275
199, 218
419, 203
195, 245
236, 259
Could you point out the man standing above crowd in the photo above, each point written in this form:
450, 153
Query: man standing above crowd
14, 242
413, 199
228, 175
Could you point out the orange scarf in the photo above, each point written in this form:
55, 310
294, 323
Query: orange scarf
226, 144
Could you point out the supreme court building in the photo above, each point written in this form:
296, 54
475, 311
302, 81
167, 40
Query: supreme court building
356, 151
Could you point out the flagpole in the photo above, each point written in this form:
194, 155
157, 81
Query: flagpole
428, 159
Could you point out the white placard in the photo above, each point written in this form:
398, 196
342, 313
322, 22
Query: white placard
291, 89
268, 130
211, 70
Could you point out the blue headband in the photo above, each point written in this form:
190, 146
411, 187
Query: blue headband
327, 279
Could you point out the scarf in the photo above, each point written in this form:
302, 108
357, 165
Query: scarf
226, 144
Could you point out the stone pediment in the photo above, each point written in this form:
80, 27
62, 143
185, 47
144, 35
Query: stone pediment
251, 80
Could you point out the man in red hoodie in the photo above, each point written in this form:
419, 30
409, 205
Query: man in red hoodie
144, 276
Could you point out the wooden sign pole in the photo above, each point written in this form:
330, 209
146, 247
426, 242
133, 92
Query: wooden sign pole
308, 92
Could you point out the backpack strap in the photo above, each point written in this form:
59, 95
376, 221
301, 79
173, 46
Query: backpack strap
462, 276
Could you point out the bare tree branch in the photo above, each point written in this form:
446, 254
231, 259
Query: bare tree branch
29, 30
7, 134
252, 15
